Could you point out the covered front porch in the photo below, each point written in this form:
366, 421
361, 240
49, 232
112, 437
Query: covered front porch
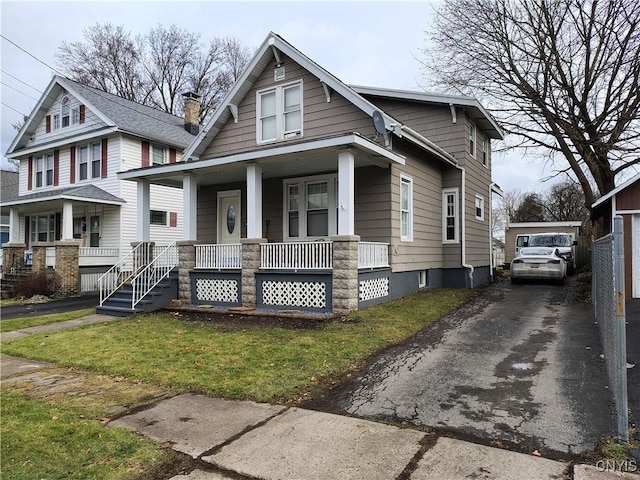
71, 231
276, 229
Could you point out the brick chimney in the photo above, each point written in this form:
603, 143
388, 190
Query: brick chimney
191, 112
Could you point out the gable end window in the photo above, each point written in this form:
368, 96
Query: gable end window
279, 113
450, 228
65, 112
406, 208
479, 208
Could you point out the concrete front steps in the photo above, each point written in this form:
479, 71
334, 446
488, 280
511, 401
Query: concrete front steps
119, 304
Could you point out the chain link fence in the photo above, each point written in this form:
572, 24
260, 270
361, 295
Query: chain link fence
608, 298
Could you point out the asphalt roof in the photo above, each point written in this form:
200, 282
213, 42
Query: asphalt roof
88, 192
134, 117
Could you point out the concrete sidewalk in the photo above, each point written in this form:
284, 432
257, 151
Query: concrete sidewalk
242, 439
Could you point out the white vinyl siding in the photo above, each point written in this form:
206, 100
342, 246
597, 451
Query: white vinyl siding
279, 113
450, 216
406, 208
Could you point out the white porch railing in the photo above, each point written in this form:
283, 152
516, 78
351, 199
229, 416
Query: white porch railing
222, 256
117, 275
152, 274
373, 254
297, 256
89, 256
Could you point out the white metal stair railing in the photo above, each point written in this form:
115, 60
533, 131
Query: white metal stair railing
152, 274
116, 276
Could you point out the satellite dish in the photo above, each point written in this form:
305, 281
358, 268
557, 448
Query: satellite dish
378, 123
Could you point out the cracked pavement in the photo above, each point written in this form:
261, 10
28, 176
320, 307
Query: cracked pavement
519, 364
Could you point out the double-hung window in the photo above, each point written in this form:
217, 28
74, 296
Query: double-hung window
485, 154
450, 216
479, 207
472, 139
43, 228
311, 210
158, 155
279, 114
44, 166
406, 208
89, 161
65, 112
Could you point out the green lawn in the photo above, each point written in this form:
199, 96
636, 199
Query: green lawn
164, 353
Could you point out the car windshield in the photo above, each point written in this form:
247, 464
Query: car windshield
550, 241
537, 251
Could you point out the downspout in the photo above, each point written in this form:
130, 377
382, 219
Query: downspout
490, 202
463, 230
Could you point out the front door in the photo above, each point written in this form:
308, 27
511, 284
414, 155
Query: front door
229, 218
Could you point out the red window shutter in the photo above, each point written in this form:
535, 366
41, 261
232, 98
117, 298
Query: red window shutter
173, 219
56, 167
172, 155
30, 178
82, 113
48, 123
145, 153
104, 172
27, 231
58, 231
72, 173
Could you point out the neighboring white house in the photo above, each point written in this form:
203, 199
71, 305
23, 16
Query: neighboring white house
70, 150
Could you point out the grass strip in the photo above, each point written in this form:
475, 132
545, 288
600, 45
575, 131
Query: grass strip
26, 322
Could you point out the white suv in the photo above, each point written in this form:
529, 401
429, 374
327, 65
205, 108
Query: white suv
564, 242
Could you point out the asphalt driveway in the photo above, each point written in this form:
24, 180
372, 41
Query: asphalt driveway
520, 365
54, 306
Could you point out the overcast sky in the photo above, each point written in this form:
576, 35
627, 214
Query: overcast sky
364, 43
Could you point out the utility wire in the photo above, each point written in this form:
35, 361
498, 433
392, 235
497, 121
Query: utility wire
30, 54
11, 108
22, 81
19, 91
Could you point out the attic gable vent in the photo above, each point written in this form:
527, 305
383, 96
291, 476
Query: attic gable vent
278, 74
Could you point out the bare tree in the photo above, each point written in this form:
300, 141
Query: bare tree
156, 68
560, 74
564, 202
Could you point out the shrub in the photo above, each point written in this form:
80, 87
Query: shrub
38, 283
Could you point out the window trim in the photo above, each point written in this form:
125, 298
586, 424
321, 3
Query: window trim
406, 180
332, 206
472, 139
280, 113
456, 192
481, 199
65, 112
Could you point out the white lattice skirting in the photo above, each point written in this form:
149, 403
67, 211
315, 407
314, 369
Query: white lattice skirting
217, 290
294, 294
373, 288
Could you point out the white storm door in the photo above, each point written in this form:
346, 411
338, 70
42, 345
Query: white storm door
229, 217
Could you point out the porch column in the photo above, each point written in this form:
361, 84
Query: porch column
346, 193
186, 264
250, 266
190, 207
345, 273
67, 221
67, 268
144, 212
14, 226
254, 201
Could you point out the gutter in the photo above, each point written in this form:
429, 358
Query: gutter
463, 230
